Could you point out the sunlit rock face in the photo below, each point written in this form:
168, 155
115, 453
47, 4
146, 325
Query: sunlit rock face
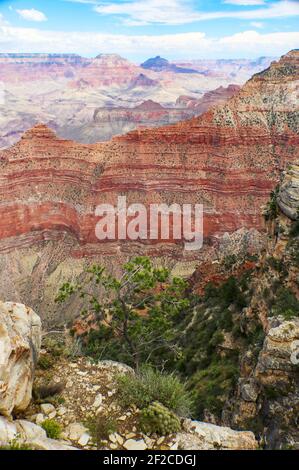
20, 338
288, 197
229, 159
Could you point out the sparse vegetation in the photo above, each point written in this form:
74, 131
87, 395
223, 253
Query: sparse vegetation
158, 419
45, 362
285, 304
136, 314
16, 444
271, 210
294, 231
150, 385
212, 385
52, 428
100, 427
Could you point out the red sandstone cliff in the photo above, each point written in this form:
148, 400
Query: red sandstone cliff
228, 159
209, 99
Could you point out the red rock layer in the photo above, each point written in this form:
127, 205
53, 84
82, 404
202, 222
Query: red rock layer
209, 99
106, 69
229, 159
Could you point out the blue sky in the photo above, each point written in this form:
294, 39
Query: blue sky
137, 29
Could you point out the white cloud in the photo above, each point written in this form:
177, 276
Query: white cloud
185, 45
32, 15
2, 20
174, 12
141, 12
257, 24
245, 2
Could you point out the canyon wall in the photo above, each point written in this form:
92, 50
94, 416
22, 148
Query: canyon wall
229, 159
65, 91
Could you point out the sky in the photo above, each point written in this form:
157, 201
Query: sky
139, 29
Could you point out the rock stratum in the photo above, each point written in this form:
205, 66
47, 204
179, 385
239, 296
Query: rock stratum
229, 159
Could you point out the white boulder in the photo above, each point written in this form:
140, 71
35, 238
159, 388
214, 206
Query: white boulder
20, 338
206, 436
24, 432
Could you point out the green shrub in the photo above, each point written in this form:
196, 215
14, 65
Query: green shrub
211, 386
45, 362
14, 444
100, 428
52, 428
271, 210
55, 345
285, 304
276, 264
229, 261
150, 385
294, 232
271, 392
158, 419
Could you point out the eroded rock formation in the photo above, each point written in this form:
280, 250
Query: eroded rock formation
288, 197
229, 160
64, 91
20, 338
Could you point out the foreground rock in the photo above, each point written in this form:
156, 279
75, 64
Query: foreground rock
20, 337
205, 436
23, 432
90, 394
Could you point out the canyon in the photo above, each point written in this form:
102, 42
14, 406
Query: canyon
229, 159
73, 95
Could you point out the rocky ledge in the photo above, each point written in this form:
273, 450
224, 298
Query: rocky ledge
85, 391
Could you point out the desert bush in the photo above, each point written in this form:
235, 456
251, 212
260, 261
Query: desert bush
271, 210
158, 419
276, 264
118, 305
229, 261
294, 232
100, 427
45, 362
230, 292
15, 444
150, 385
285, 304
52, 428
212, 385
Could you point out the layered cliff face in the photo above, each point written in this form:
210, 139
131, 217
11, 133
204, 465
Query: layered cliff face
267, 391
229, 160
241, 344
107, 122
209, 99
